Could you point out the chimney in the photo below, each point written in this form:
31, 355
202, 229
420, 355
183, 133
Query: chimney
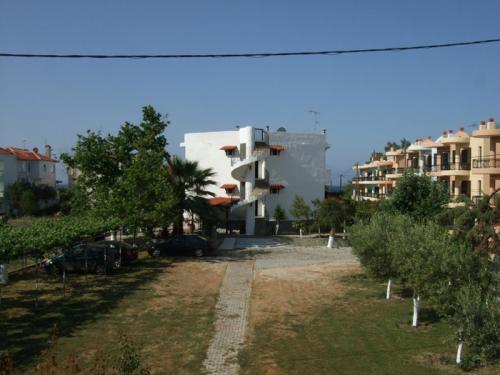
267, 128
35, 150
429, 138
482, 125
450, 133
462, 129
444, 134
491, 124
323, 131
48, 151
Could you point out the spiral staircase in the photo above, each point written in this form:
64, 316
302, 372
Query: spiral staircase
261, 185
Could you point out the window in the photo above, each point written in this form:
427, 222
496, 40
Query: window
230, 152
275, 152
45, 168
479, 188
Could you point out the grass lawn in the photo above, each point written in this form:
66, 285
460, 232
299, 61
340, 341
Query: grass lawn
166, 308
355, 331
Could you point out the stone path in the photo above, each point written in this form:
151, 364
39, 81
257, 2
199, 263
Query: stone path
231, 309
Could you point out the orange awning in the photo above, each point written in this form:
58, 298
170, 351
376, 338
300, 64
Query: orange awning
222, 201
229, 148
277, 147
277, 186
228, 186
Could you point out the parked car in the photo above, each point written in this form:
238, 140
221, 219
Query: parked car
182, 245
89, 257
128, 252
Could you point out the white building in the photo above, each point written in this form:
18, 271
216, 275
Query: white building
258, 169
19, 164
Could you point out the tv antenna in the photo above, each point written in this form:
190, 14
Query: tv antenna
316, 118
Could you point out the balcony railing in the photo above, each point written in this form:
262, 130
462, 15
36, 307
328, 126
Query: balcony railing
372, 195
459, 166
489, 162
370, 178
261, 137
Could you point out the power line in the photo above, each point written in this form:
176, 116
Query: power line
245, 55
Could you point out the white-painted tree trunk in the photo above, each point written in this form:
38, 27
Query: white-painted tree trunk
459, 352
277, 229
331, 242
388, 292
113, 236
416, 302
300, 232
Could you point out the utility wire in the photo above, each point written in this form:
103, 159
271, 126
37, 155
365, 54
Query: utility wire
245, 55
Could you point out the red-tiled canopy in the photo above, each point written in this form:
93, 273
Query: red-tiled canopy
277, 186
222, 201
228, 186
229, 148
277, 147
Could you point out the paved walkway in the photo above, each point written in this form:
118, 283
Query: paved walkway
230, 325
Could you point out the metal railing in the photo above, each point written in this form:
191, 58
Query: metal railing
261, 136
458, 166
370, 178
371, 195
488, 162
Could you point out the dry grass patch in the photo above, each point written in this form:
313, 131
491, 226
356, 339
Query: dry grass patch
166, 308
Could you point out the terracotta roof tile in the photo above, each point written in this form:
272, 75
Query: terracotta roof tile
222, 201
23, 154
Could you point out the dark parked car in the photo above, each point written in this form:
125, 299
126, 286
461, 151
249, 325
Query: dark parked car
128, 253
96, 258
182, 245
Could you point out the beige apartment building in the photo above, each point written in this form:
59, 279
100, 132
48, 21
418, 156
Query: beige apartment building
469, 164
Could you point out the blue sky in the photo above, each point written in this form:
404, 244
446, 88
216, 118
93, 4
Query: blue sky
364, 100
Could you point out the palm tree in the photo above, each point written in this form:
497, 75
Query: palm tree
190, 184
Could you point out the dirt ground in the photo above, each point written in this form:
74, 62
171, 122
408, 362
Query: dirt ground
289, 293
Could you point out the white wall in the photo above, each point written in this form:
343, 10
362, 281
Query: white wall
205, 149
301, 167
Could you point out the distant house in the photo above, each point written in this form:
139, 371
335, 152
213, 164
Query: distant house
18, 164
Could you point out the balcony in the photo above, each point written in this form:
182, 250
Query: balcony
261, 138
371, 195
452, 169
488, 165
491, 162
373, 180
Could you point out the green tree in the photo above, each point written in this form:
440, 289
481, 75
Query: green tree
190, 185
417, 196
126, 175
28, 202
476, 318
279, 215
370, 243
334, 213
301, 212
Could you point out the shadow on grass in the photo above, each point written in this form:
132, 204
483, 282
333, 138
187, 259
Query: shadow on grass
25, 328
